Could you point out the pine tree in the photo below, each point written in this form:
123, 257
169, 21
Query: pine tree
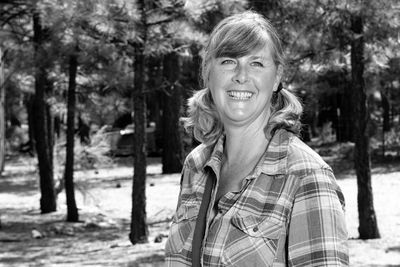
139, 229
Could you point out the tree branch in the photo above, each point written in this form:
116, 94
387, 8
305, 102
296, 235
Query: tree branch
14, 2
12, 16
172, 18
307, 54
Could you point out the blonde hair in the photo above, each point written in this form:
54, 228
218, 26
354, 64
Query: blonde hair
237, 36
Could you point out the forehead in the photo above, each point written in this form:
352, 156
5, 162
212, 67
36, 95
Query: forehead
244, 42
263, 54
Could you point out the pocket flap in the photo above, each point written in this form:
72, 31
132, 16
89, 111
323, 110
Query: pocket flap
256, 227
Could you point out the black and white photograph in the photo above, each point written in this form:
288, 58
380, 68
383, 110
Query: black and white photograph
199, 133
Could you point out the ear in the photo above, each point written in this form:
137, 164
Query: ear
278, 78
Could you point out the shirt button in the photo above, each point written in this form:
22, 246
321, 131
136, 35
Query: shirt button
255, 229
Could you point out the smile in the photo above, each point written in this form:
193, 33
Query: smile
240, 95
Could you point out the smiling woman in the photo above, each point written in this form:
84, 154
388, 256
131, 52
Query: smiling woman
252, 194
241, 87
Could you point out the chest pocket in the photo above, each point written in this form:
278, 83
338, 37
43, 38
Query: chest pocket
253, 241
182, 228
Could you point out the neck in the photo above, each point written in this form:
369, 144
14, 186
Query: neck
244, 144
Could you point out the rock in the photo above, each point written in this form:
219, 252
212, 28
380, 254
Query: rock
36, 234
69, 231
91, 225
158, 238
114, 245
54, 230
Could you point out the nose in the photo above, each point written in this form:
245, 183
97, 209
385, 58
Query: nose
241, 74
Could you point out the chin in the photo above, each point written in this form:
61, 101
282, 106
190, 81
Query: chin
238, 119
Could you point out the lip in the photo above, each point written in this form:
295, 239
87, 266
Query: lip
240, 95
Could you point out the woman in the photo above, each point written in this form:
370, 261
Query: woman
252, 194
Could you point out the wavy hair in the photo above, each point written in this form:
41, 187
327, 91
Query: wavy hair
237, 36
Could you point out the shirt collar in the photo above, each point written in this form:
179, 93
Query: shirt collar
275, 157
215, 159
273, 162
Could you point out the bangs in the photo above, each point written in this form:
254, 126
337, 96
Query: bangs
240, 41
240, 35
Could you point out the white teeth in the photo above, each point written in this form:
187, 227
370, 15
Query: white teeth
240, 95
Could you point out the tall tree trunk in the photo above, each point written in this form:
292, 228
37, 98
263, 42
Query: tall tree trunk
368, 227
153, 100
2, 114
72, 211
386, 109
50, 128
386, 126
29, 103
42, 122
139, 229
346, 119
172, 155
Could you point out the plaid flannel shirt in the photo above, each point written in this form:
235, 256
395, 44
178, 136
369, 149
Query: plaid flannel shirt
289, 211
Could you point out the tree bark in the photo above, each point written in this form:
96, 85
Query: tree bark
29, 103
386, 125
346, 120
42, 123
172, 155
368, 227
139, 229
154, 104
2, 114
72, 210
386, 109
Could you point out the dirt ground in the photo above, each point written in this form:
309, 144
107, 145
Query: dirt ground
103, 198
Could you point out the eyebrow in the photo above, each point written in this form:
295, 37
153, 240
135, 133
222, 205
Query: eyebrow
262, 58
259, 58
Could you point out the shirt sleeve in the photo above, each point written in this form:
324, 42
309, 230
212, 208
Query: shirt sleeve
317, 233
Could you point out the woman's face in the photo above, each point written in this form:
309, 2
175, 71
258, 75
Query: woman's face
242, 87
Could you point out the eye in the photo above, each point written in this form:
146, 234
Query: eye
227, 61
257, 64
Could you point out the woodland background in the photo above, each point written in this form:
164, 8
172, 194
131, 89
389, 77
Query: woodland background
87, 87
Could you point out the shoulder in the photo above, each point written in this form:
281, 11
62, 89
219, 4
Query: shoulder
310, 172
301, 157
205, 154
306, 167
287, 154
198, 157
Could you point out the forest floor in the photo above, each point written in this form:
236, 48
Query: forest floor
104, 202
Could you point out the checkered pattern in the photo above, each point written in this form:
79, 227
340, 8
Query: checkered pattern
289, 211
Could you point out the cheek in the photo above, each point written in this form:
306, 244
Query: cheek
212, 79
269, 82
216, 84
218, 77
216, 97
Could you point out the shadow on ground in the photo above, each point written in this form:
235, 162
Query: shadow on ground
29, 238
